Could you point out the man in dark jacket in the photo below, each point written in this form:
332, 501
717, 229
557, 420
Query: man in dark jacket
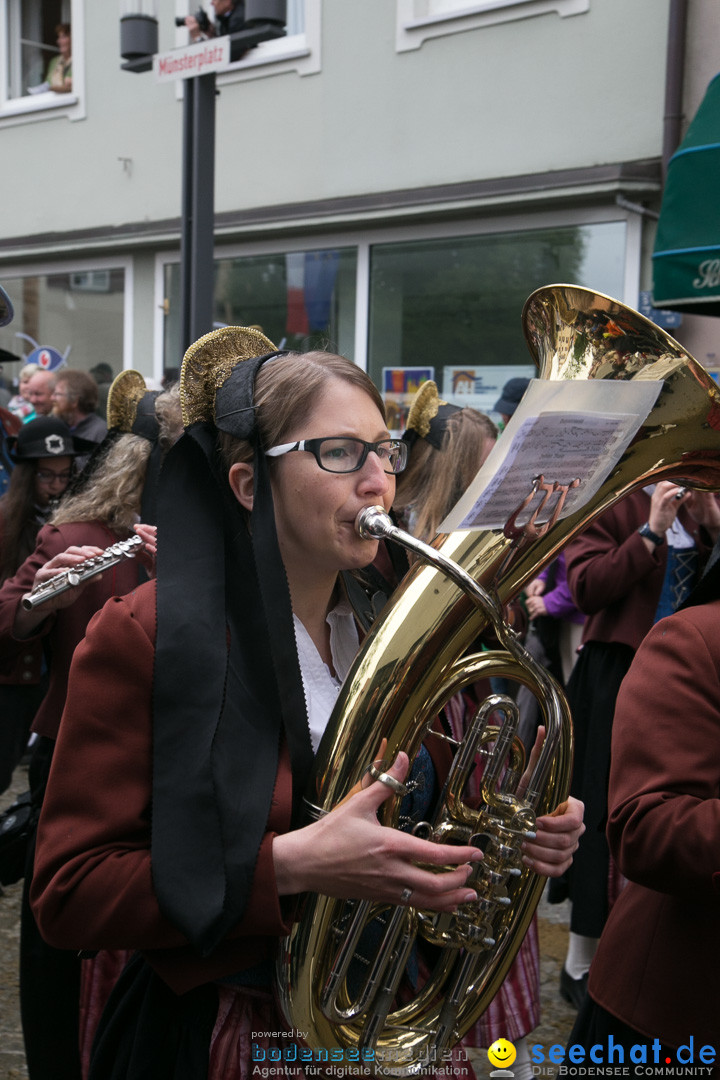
229, 18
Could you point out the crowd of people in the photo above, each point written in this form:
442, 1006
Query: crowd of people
176, 702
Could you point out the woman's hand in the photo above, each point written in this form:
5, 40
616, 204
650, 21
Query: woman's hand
664, 505
148, 535
557, 839
349, 854
557, 834
535, 588
535, 606
27, 621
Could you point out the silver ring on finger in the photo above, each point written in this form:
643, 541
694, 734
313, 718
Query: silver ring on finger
389, 781
405, 896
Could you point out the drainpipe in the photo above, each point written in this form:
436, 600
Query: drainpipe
674, 79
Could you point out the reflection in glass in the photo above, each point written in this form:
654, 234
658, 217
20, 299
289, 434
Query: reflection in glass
300, 300
457, 301
78, 313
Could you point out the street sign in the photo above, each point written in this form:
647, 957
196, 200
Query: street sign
198, 59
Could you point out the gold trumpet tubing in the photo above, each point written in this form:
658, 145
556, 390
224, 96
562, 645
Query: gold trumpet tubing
403, 936
498, 828
454, 816
75, 575
374, 522
364, 913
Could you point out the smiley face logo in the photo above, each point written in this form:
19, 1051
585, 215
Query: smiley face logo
501, 1054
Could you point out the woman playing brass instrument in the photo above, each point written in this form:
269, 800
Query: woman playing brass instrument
204, 696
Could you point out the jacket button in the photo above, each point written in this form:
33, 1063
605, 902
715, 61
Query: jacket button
27, 675
28, 659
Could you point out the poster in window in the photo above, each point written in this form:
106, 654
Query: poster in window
479, 386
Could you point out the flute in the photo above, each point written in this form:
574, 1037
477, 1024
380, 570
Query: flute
75, 575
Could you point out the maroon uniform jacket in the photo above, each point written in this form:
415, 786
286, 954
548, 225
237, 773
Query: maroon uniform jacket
92, 886
62, 630
657, 964
613, 577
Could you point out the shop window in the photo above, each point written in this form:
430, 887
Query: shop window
301, 300
70, 311
449, 309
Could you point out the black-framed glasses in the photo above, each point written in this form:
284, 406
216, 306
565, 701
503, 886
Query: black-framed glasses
46, 476
338, 454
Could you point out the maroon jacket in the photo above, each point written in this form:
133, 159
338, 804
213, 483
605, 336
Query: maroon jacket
657, 964
613, 577
61, 631
92, 884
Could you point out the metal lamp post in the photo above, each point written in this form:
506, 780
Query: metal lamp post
265, 20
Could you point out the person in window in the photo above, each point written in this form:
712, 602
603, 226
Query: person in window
59, 72
229, 18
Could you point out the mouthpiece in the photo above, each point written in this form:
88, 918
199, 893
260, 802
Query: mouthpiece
372, 523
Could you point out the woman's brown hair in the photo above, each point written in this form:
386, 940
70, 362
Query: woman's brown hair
286, 391
434, 479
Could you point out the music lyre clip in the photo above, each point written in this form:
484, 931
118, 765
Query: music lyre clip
531, 529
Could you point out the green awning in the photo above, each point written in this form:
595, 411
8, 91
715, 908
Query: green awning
686, 259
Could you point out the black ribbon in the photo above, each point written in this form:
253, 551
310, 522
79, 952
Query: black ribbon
227, 685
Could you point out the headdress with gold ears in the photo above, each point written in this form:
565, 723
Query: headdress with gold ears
130, 411
220, 711
428, 417
131, 406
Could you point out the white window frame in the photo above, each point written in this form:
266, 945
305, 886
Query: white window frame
295, 52
419, 20
42, 106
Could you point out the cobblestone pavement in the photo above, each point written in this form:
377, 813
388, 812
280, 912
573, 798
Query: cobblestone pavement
555, 1024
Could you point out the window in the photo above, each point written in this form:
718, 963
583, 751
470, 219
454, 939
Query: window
30, 49
298, 50
418, 20
449, 309
79, 311
301, 300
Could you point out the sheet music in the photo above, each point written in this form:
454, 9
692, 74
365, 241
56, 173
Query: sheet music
560, 443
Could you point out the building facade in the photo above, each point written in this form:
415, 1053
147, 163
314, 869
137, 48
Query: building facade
392, 179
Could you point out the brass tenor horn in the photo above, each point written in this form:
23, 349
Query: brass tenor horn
416, 657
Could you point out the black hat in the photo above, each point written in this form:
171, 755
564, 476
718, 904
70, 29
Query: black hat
45, 437
512, 392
